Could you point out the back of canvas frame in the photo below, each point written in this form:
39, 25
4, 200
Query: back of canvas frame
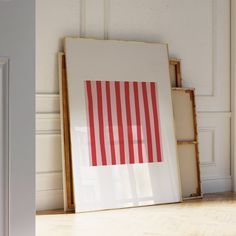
187, 138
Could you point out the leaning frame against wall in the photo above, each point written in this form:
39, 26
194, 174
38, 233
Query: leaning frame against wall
187, 138
107, 68
186, 133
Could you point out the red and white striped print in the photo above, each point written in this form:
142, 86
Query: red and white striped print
123, 122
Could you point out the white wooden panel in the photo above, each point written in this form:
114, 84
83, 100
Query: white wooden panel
92, 18
47, 103
48, 143
49, 200
48, 152
48, 123
198, 32
214, 138
217, 184
55, 19
188, 170
207, 145
49, 181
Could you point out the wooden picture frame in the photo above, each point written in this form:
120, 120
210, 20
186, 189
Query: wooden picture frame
175, 73
65, 136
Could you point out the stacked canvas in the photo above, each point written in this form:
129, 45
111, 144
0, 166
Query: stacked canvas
186, 133
119, 140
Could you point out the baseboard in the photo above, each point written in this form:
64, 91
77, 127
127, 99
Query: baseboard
216, 184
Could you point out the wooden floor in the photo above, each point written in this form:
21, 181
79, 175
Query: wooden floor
214, 215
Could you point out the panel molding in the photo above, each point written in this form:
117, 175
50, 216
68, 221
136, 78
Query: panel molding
217, 184
48, 153
215, 171
49, 184
212, 49
93, 18
47, 103
50, 104
49, 181
217, 114
48, 123
106, 18
211, 131
207, 101
82, 18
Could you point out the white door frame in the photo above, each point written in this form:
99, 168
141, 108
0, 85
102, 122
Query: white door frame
17, 49
4, 158
233, 92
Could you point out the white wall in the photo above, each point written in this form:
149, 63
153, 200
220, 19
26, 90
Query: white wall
17, 45
198, 32
50, 30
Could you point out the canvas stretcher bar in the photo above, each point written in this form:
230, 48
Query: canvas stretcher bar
175, 73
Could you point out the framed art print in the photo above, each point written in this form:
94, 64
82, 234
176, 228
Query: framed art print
121, 124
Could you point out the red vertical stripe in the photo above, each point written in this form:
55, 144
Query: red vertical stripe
98, 101
147, 119
101, 122
91, 122
129, 123
138, 122
120, 123
156, 121
110, 125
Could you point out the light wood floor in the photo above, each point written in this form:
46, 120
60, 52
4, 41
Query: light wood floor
214, 215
